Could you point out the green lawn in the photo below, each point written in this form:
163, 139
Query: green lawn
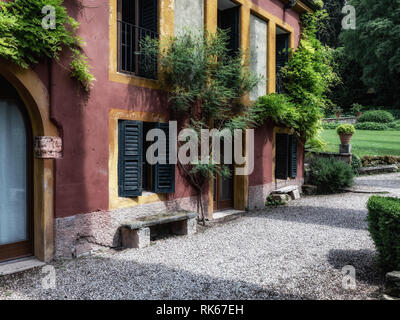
366, 142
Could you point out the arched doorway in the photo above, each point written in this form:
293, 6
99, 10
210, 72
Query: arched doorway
16, 176
34, 99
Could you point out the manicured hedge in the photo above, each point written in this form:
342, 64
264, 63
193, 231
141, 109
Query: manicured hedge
384, 227
330, 125
371, 126
379, 116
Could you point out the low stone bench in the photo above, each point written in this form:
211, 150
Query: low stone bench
135, 233
282, 193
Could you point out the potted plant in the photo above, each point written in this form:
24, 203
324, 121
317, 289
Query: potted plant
345, 132
338, 111
356, 109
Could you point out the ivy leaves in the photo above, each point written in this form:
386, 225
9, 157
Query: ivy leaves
24, 41
308, 77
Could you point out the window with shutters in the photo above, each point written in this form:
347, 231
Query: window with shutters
282, 56
228, 19
285, 156
137, 20
135, 174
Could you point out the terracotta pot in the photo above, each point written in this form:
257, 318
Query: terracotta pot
338, 115
358, 114
345, 138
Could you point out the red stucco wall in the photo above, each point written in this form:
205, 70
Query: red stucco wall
81, 176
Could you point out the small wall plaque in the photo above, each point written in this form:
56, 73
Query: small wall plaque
48, 147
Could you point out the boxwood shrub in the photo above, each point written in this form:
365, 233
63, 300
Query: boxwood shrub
384, 227
345, 128
356, 164
330, 175
379, 116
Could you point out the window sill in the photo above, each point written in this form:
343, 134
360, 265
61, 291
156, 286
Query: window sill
133, 80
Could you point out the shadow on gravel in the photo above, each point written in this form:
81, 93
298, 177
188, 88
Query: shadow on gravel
364, 262
113, 279
338, 218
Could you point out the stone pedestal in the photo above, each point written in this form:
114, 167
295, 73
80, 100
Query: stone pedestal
295, 194
185, 227
139, 238
345, 148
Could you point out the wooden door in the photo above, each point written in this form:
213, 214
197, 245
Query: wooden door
16, 203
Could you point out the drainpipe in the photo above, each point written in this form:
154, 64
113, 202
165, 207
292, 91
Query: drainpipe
288, 5
50, 68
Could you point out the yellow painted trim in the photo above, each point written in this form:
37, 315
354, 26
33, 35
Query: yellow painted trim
210, 15
302, 8
35, 97
271, 66
165, 29
277, 130
116, 202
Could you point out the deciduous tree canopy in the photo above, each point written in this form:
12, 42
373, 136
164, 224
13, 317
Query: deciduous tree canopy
375, 45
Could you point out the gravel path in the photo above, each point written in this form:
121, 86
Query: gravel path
292, 252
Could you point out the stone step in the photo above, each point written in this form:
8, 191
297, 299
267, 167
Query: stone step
226, 215
379, 169
19, 265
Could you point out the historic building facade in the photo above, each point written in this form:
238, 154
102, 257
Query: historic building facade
68, 193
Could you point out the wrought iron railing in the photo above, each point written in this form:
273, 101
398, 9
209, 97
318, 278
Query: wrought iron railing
130, 58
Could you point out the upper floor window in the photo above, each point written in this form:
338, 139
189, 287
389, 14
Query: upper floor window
137, 19
282, 56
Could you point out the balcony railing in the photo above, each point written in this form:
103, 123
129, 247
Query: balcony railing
130, 59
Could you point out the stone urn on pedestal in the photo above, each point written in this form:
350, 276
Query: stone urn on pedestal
345, 132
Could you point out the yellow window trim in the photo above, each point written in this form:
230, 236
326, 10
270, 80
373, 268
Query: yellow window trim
165, 28
115, 201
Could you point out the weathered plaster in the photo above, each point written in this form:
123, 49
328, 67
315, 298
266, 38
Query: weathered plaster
258, 54
189, 15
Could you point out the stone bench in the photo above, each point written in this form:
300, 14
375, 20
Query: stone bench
284, 193
135, 233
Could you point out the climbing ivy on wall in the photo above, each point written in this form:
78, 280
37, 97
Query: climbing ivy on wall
23, 40
307, 78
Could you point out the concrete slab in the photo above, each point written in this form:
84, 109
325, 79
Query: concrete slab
15, 266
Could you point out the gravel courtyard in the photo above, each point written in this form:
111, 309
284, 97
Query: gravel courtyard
292, 252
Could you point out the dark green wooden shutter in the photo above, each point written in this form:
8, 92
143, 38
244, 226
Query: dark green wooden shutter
282, 58
293, 156
148, 14
130, 158
148, 22
229, 20
281, 156
164, 174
